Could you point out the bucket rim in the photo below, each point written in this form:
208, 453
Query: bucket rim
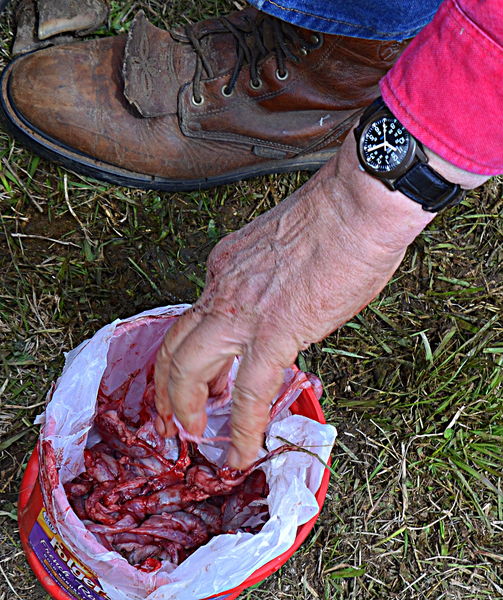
30, 485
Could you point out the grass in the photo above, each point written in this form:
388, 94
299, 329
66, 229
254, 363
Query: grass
413, 384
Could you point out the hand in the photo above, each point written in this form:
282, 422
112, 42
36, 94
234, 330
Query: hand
287, 279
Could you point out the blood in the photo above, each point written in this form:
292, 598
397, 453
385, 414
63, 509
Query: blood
150, 508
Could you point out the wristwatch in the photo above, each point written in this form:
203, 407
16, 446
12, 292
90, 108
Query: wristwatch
390, 153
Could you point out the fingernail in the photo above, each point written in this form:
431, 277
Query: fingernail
234, 458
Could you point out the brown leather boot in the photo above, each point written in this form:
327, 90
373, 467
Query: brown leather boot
216, 102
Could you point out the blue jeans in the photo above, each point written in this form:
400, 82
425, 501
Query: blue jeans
378, 20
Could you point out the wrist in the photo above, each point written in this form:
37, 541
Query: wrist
377, 214
391, 154
465, 179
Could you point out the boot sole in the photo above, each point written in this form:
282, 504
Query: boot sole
53, 150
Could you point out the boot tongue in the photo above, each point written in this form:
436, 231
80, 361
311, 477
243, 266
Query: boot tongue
147, 76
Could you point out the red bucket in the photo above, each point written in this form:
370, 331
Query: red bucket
65, 578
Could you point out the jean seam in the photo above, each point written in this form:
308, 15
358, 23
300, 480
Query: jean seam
346, 23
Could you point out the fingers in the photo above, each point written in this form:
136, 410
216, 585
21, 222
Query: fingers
199, 365
166, 427
174, 336
257, 383
194, 361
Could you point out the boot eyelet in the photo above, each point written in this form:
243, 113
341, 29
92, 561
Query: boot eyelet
256, 85
225, 91
197, 102
317, 40
304, 51
282, 76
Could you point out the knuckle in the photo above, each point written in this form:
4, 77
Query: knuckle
177, 371
164, 354
246, 400
277, 352
214, 255
244, 432
249, 412
221, 249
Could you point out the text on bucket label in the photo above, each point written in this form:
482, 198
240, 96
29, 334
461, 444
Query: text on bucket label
76, 580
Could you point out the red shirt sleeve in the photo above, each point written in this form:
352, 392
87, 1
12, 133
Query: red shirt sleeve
447, 87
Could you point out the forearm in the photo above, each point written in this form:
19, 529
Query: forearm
285, 280
376, 214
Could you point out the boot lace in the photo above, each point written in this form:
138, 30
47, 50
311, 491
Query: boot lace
255, 40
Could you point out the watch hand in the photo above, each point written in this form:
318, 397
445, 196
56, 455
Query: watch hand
375, 147
384, 129
388, 144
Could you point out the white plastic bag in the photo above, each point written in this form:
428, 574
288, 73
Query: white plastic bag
109, 358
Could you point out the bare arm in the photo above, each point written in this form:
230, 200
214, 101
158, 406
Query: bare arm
289, 278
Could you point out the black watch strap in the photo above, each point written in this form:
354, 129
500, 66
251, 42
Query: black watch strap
424, 185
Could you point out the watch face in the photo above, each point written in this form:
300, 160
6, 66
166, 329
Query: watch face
384, 144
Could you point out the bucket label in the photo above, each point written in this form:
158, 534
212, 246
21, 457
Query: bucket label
78, 581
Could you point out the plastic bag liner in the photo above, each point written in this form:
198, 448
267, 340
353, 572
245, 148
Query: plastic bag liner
126, 349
